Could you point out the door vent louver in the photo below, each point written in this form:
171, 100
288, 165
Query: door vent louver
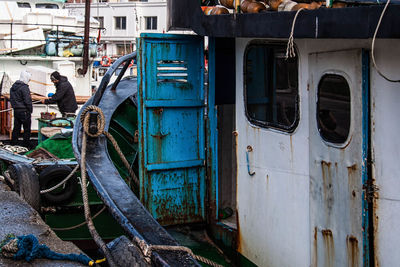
172, 71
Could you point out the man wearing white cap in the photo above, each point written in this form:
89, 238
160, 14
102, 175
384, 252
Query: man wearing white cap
21, 102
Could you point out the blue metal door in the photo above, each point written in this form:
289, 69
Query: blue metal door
171, 127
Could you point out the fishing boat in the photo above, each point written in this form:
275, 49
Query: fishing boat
278, 148
288, 128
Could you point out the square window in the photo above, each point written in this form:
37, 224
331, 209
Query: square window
271, 86
120, 23
151, 23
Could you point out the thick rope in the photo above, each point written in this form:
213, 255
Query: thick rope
147, 250
123, 158
373, 46
27, 248
79, 225
62, 182
90, 224
290, 45
100, 120
100, 130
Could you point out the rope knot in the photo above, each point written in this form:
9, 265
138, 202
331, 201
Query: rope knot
93, 121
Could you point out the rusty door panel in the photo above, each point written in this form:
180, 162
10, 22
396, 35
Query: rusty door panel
171, 127
336, 176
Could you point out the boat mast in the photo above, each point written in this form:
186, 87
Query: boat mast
85, 62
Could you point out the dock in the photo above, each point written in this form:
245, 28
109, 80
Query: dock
17, 217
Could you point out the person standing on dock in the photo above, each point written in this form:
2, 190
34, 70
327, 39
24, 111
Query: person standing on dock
64, 96
21, 102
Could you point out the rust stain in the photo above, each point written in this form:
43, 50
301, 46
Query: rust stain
375, 225
352, 251
315, 248
329, 246
327, 185
239, 234
352, 181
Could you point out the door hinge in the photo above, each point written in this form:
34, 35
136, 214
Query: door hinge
371, 192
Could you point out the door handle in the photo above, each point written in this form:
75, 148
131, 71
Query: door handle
248, 150
160, 135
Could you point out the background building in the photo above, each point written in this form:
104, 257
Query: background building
123, 21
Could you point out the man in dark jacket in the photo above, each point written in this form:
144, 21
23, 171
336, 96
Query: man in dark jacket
64, 96
21, 102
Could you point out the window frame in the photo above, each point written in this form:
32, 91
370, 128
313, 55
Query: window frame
152, 19
268, 124
120, 19
24, 5
317, 103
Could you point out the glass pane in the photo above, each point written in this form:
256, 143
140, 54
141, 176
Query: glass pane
23, 5
117, 23
49, 6
333, 108
154, 23
148, 23
271, 84
123, 23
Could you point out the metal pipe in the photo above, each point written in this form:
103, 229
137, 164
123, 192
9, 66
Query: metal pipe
85, 62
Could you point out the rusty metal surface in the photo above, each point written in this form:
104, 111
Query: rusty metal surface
336, 184
172, 128
112, 189
385, 110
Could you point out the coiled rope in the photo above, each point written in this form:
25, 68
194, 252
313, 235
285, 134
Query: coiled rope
27, 248
146, 249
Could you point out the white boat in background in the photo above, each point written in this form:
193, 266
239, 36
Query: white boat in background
42, 37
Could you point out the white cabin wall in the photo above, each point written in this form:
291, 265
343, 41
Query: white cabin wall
273, 205
386, 151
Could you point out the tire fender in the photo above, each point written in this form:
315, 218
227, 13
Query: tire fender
51, 176
26, 183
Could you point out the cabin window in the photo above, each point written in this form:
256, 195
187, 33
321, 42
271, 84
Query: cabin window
151, 23
271, 86
120, 23
333, 108
23, 5
48, 6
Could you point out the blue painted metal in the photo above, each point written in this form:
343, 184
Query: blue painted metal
365, 147
212, 134
171, 127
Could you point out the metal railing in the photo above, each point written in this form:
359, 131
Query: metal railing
54, 29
